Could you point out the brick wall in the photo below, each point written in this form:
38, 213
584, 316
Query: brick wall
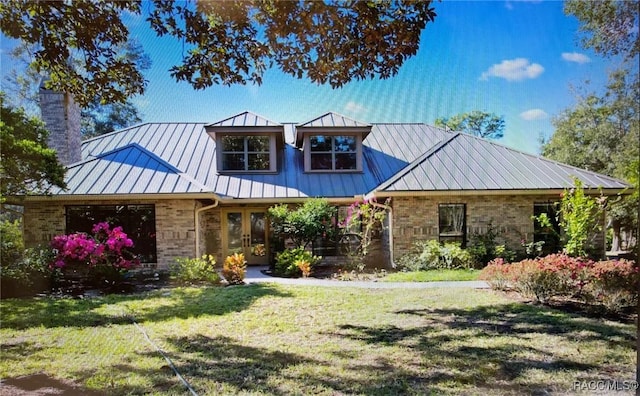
175, 227
62, 118
416, 218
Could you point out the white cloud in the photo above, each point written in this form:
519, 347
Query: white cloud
575, 57
513, 70
354, 107
534, 114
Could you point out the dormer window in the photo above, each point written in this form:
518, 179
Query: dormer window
246, 153
332, 143
247, 143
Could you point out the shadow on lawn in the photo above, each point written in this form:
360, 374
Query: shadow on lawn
497, 367
158, 305
221, 365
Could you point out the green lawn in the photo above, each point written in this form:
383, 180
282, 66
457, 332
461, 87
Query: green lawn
281, 340
433, 276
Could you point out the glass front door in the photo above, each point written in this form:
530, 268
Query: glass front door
246, 232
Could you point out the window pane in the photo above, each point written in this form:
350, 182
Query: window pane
258, 143
320, 161
233, 143
346, 161
258, 161
451, 219
234, 232
345, 143
320, 143
233, 162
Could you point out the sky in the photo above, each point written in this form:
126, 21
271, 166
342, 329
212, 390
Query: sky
517, 59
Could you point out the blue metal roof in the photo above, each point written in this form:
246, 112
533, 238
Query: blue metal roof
181, 158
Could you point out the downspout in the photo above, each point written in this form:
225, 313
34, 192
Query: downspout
197, 221
390, 210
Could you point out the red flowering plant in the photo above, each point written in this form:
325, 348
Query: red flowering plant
101, 258
613, 284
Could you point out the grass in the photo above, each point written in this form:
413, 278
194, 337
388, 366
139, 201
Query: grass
433, 275
277, 339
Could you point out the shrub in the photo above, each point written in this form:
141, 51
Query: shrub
431, 254
484, 247
287, 262
613, 284
496, 273
28, 275
102, 259
195, 270
305, 267
234, 268
11, 244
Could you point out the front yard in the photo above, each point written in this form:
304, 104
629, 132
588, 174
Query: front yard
276, 339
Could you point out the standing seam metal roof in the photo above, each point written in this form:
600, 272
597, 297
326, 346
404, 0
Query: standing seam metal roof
181, 158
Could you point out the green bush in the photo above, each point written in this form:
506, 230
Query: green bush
195, 270
27, 275
431, 254
484, 248
11, 244
287, 262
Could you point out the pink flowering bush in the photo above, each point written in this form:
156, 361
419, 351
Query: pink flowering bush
611, 283
102, 256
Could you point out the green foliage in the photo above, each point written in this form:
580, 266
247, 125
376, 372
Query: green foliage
609, 27
476, 123
11, 243
304, 224
431, 254
580, 218
288, 262
26, 272
227, 42
234, 269
195, 270
26, 164
484, 247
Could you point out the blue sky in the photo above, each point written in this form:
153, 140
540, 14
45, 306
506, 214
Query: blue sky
517, 59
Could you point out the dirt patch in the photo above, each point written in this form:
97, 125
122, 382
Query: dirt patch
40, 385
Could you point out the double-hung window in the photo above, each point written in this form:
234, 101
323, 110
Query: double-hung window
246, 153
452, 223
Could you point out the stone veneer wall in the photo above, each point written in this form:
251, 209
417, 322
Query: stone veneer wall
62, 118
175, 227
210, 237
416, 218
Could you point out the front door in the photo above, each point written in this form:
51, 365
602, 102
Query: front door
245, 231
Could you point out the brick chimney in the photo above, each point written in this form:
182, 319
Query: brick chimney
61, 115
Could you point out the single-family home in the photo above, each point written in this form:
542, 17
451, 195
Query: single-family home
182, 189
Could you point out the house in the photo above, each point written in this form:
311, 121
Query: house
184, 189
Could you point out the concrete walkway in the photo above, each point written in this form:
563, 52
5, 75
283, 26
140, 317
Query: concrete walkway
255, 275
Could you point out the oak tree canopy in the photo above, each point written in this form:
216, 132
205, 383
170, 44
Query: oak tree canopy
225, 42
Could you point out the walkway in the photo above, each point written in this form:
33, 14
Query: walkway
255, 275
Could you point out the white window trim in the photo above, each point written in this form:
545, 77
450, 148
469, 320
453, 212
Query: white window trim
273, 165
307, 153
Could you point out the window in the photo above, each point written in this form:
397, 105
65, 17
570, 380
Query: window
333, 153
137, 221
549, 235
246, 153
452, 223
336, 242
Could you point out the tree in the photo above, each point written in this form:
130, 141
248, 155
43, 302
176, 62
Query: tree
226, 42
23, 86
305, 224
476, 123
27, 166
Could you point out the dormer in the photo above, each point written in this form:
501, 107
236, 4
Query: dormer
332, 143
247, 143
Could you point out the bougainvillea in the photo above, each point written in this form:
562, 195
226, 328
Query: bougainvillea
105, 247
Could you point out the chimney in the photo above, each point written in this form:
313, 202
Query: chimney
61, 115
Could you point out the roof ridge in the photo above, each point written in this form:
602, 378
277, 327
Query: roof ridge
413, 164
333, 113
